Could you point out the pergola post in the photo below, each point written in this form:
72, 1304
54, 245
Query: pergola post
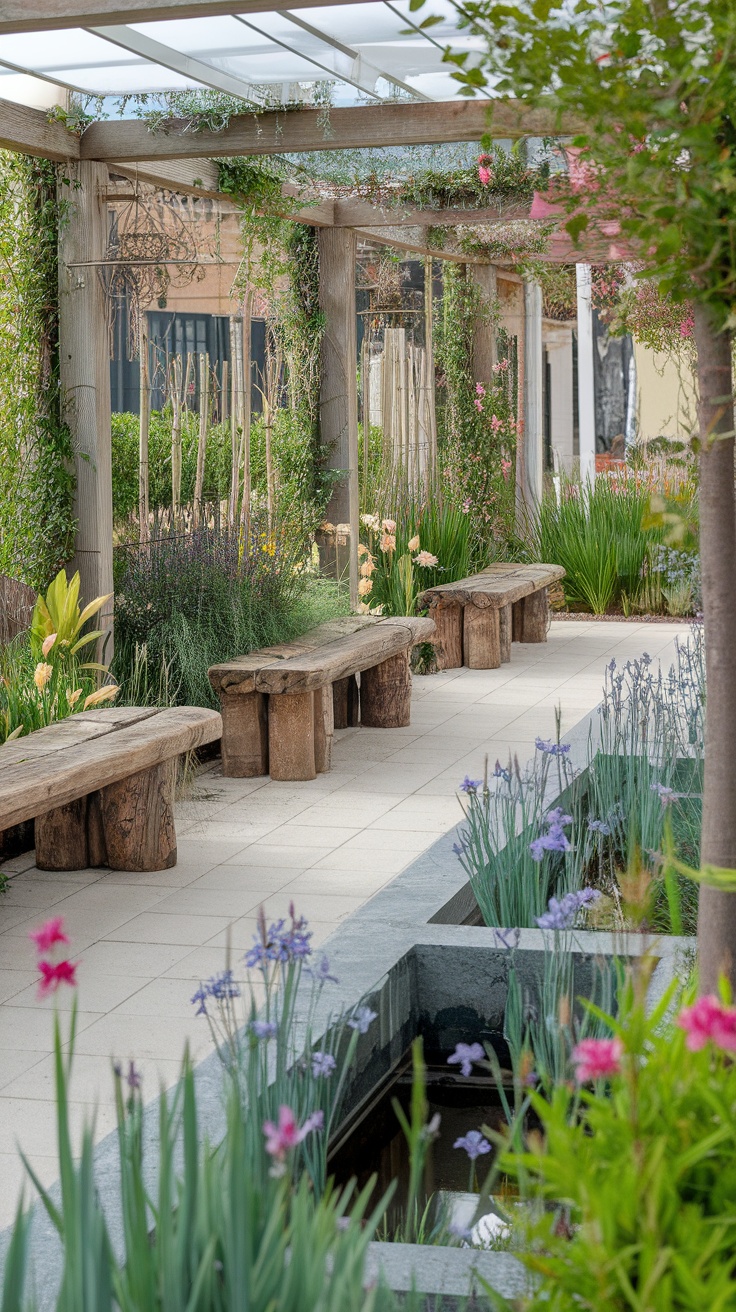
339, 383
533, 439
586, 377
84, 364
484, 333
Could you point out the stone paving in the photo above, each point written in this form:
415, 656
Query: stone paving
145, 940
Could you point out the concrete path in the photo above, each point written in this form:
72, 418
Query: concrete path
144, 941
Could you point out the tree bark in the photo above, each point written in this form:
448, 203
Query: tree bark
717, 911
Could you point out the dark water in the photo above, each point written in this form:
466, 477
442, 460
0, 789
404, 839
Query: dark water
373, 1143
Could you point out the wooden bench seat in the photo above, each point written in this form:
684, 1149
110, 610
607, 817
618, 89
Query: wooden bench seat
477, 618
100, 785
280, 705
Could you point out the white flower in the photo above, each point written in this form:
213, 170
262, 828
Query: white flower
371, 521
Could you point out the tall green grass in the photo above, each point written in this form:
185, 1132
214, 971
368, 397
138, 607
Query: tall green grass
442, 530
597, 536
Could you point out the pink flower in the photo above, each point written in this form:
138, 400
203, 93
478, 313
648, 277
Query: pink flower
388, 542
484, 174
288, 1134
500, 366
596, 1058
496, 423
426, 558
480, 389
709, 1021
686, 327
506, 468
478, 404
49, 934
64, 972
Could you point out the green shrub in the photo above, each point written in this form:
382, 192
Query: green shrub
440, 531
187, 602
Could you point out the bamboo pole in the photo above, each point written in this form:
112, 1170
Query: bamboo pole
204, 396
144, 425
429, 340
366, 376
175, 392
232, 514
244, 412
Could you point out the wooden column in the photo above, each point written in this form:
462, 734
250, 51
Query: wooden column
84, 361
533, 416
448, 636
481, 637
291, 736
586, 385
244, 735
346, 703
339, 385
484, 332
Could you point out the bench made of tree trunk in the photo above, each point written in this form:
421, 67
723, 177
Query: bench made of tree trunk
280, 705
477, 618
100, 785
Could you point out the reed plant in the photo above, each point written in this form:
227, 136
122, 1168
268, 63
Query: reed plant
421, 545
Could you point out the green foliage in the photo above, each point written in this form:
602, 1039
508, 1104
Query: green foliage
632, 1186
477, 428
186, 603
597, 535
42, 678
36, 521
666, 77
300, 490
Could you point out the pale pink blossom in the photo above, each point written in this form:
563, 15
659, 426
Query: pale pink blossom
41, 675
413, 543
506, 468
595, 1059
426, 559
288, 1134
480, 389
49, 934
709, 1021
47, 644
500, 366
388, 541
478, 404
496, 423
364, 587
389, 525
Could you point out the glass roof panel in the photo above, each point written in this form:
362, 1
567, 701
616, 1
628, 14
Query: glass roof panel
362, 48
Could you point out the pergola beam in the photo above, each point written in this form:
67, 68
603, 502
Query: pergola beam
29, 132
277, 132
356, 213
45, 15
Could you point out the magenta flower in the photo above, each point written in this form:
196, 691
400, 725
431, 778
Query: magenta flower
52, 976
709, 1021
484, 174
288, 1134
49, 934
595, 1059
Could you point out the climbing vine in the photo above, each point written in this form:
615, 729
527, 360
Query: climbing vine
479, 421
36, 520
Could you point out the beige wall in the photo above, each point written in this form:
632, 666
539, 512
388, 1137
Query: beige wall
666, 404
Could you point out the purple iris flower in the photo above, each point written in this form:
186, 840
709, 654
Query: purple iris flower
549, 748
264, 1029
562, 913
464, 1056
323, 1063
470, 785
474, 1144
362, 1020
218, 987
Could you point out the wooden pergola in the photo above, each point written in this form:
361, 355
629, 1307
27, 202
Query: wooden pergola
182, 161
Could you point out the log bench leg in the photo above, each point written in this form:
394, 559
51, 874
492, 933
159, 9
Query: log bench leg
291, 736
533, 617
138, 819
385, 694
481, 637
505, 622
61, 837
448, 637
324, 723
244, 735
346, 702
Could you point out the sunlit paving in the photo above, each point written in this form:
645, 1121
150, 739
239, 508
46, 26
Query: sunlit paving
367, 547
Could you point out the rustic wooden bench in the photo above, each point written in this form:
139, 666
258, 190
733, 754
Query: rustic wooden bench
477, 618
100, 785
280, 705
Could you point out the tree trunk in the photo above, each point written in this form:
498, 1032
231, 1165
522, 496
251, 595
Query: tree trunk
717, 911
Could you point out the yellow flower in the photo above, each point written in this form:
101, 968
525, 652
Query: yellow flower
48, 643
105, 694
73, 697
42, 674
414, 544
364, 587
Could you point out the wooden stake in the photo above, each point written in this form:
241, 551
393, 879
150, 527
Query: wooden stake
175, 394
385, 693
244, 411
204, 394
143, 432
235, 342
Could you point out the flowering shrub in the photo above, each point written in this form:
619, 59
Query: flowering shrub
631, 1182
